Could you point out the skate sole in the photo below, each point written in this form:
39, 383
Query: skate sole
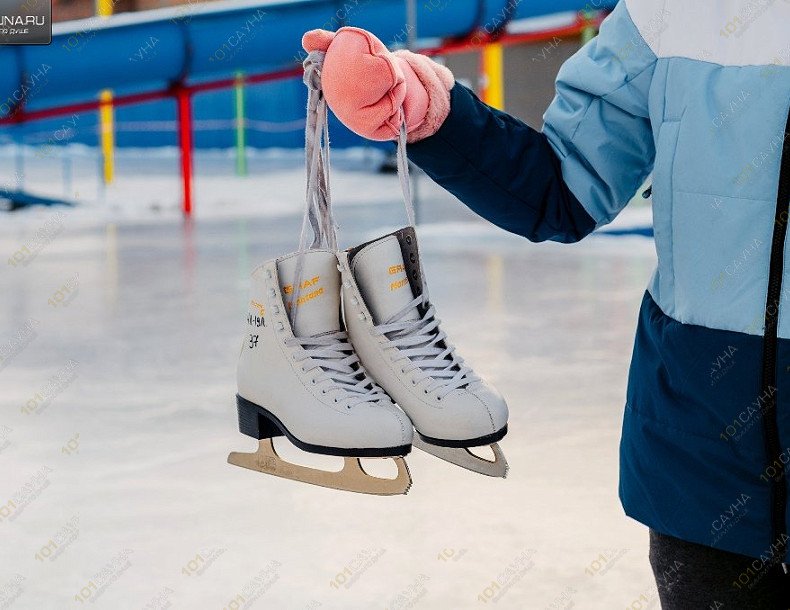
259, 423
488, 439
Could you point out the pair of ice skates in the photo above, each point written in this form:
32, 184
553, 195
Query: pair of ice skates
364, 335
343, 353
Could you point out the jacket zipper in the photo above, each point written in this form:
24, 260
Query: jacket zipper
773, 447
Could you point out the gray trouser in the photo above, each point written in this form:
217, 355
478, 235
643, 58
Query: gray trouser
695, 577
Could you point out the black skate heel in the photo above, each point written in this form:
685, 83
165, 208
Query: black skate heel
253, 421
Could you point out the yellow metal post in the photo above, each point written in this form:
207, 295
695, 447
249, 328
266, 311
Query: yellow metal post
104, 8
492, 85
106, 121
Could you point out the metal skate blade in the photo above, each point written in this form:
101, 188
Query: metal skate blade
350, 478
461, 456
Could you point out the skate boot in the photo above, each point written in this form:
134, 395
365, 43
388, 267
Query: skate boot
394, 330
306, 382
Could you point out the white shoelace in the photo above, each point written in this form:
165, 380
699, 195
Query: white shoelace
318, 201
333, 354
423, 345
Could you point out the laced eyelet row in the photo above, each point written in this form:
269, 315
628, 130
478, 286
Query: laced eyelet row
339, 393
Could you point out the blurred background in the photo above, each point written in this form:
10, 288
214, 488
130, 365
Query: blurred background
209, 89
150, 157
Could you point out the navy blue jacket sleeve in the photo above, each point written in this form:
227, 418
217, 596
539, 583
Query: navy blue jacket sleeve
595, 151
504, 170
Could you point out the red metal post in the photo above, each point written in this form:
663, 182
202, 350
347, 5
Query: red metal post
184, 101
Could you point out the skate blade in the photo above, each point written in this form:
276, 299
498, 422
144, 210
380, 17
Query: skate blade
350, 478
461, 456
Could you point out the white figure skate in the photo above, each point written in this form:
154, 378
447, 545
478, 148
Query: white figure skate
307, 383
394, 330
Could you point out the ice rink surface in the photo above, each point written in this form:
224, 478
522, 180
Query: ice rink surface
119, 340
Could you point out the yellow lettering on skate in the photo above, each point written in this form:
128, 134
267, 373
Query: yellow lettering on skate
261, 309
310, 296
399, 284
288, 289
396, 269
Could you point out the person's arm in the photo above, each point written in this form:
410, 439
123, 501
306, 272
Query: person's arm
595, 150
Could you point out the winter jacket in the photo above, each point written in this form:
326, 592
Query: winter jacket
698, 94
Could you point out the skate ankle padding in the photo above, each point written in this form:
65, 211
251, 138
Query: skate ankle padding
383, 280
318, 300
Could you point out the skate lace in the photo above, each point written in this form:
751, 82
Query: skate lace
421, 342
423, 345
335, 356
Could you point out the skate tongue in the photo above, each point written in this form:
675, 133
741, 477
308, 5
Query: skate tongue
382, 280
319, 299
